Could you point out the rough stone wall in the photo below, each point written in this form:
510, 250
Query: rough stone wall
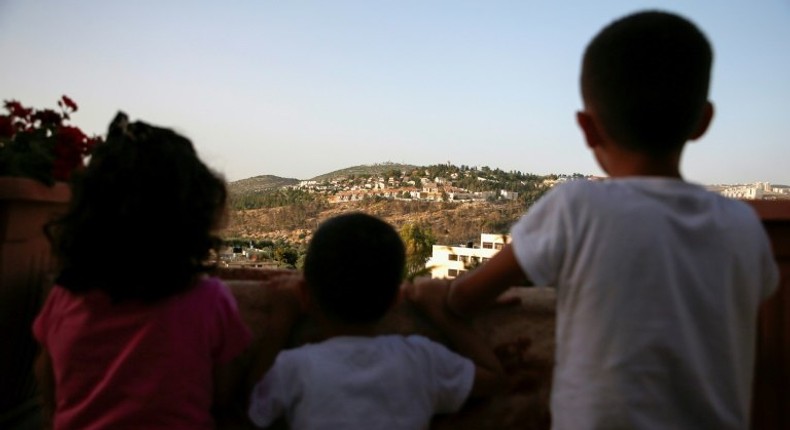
521, 333
771, 399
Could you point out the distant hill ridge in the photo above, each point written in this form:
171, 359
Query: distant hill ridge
263, 210
260, 183
266, 182
365, 169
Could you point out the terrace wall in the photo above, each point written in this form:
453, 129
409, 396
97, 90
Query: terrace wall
522, 334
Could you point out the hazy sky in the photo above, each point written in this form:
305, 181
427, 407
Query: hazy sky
302, 88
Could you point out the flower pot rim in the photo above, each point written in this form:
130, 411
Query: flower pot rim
17, 188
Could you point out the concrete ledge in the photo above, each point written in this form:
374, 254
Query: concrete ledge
771, 399
521, 333
523, 337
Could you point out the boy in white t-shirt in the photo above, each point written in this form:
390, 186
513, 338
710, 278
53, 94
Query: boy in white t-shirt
357, 379
658, 280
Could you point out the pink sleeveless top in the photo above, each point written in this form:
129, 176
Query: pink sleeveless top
136, 365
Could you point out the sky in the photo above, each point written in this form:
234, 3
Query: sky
302, 88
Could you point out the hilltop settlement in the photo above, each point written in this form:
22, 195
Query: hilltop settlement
273, 218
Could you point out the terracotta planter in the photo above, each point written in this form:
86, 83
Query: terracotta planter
25, 264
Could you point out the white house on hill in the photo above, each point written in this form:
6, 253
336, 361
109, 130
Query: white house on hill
452, 261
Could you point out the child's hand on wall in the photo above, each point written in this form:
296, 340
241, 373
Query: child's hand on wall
429, 296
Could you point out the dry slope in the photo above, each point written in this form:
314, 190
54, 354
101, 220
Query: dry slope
451, 223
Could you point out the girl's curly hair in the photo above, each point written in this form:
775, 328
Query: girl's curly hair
143, 217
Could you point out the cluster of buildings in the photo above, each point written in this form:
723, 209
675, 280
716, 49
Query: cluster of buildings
340, 190
449, 261
424, 188
427, 193
755, 191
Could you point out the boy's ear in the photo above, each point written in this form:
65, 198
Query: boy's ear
590, 129
704, 122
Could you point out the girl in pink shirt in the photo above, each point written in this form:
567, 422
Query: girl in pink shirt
134, 333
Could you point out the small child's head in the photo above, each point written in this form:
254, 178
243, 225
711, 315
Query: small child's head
354, 268
645, 79
144, 215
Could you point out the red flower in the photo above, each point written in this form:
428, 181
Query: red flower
47, 117
70, 135
43, 147
69, 103
70, 146
16, 109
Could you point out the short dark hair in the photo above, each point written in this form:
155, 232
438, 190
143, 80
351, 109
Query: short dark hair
143, 217
647, 76
354, 267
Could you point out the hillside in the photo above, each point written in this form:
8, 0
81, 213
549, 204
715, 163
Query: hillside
451, 223
269, 182
260, 183
368, 169
456, 202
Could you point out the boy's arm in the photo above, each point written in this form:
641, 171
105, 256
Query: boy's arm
430, 297
479, 288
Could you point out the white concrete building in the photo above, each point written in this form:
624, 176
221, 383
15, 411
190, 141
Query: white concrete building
452, 261
508, 195
755, 191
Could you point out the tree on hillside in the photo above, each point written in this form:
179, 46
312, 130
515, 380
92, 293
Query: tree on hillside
273, 198
419, 241
286, 254
392, 173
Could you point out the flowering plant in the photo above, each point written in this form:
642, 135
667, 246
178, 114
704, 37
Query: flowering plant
38, 144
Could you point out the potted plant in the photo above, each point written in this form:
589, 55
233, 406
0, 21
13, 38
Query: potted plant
39, 151
38, 144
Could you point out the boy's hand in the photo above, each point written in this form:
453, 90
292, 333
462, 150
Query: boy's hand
429, 296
